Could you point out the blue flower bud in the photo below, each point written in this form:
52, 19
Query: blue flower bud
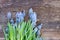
36, 29
33, 18
39, 26
33, 24
9, 15
12, 22
17, 15
40, 38
20, 17
30, 10
23, 13
38, 33
17, 20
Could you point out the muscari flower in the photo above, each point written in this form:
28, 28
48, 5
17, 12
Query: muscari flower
17, 17
33, 17
9, 15
23, 12
12, 21
20, 16
39, 38
39, 29
38, 33
36, 29
30, 10
39, 26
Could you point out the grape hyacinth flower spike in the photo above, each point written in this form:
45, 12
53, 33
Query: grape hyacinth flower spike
36, 29
20, 16
17, 17
30, 10
23, 13
38, 33
39, 26
12, 22
17, 14
39, 30
9, 15
33, 17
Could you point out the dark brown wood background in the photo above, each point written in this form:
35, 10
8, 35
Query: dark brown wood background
48, 12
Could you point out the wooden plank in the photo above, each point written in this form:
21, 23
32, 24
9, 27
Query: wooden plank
50, 34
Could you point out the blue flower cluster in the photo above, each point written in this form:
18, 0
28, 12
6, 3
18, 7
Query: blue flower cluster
20, 17
33, 17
